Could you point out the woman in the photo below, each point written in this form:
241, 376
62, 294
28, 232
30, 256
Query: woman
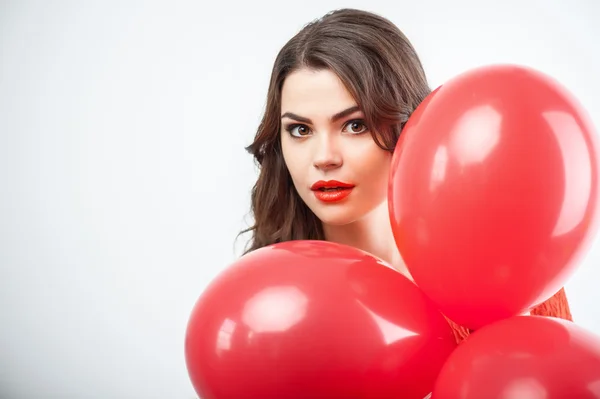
340, 93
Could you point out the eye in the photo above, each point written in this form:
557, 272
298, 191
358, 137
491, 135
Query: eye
356, 127
297, 130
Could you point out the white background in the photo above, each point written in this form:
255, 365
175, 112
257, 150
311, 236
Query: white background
123, 178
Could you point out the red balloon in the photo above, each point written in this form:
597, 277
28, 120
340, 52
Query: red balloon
494, 192
314, 319
526, 357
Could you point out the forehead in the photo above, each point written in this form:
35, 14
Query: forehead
314, 94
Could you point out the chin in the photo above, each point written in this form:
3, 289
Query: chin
335, 221
338, 217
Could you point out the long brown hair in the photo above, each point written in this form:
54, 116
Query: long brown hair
381, 70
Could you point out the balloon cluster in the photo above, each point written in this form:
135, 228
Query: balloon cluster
493, 200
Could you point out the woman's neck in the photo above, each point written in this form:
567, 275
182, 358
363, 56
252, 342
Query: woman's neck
373, 234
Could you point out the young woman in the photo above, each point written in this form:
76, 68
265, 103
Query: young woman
340, 93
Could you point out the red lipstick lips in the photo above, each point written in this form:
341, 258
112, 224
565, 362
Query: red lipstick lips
331, 191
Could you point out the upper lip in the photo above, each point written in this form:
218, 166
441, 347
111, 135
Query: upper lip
330, 184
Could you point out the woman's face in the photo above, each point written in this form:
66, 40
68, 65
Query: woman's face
336, 167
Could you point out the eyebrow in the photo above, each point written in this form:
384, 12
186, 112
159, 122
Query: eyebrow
333, 119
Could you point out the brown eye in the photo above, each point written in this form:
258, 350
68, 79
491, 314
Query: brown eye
298, 130
356, 127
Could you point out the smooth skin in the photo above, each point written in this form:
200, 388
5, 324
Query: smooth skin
324, 137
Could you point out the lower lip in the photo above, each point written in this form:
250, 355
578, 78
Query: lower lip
333, 195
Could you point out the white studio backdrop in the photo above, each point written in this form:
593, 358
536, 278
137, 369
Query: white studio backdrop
123, 178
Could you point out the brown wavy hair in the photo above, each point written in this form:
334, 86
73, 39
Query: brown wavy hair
381, 70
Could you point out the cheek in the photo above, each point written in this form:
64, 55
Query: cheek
293, 160
375, 166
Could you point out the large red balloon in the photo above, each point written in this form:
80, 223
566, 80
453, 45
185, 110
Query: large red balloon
525, 357
314, 319
494, 192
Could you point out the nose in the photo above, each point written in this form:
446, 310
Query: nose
327, 154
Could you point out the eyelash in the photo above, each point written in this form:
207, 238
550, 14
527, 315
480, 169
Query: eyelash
289, 128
